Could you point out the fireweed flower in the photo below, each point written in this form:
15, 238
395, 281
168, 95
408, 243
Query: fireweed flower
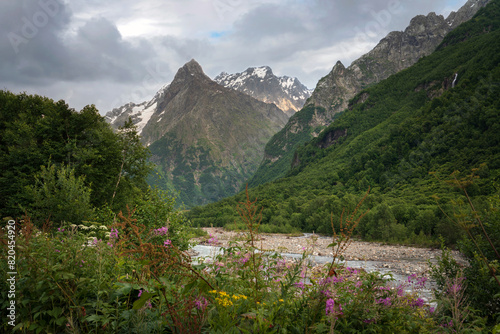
161, 231
201, 304
330, 304
385, 301
113, 234
213, 240
330, 308
167, 243
352, 271
418, 303
411, 277
244, 259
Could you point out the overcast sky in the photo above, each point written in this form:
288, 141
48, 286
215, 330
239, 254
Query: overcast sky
111, 52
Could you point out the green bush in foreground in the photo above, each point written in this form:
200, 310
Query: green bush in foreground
138, 280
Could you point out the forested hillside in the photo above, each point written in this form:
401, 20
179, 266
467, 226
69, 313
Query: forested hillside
394, 53
438, 116
58, 164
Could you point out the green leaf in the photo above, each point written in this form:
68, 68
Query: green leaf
189, 287
93, 318
61, 321
332, 245
138, 304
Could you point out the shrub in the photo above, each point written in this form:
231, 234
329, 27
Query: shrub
59, 196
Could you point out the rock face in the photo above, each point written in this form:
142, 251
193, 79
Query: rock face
289, 94
205, 139
397, 51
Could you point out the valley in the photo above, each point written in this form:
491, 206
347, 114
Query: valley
246, 202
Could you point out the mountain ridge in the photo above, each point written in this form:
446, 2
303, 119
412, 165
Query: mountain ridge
287, 93
397, 51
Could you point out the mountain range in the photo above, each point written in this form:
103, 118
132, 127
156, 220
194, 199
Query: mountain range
209, 137
397, 51
205, 139
287, 93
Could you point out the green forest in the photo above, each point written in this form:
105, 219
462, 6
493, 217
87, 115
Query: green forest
54, 159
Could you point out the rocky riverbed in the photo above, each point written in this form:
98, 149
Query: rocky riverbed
402, 260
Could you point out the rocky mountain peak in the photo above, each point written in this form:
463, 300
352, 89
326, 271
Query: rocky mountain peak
465, 12
193, 67
190, 70
289, 94
397, 51
260, 72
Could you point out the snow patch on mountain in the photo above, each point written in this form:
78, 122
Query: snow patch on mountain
139, 113
289, 94
146, 116
260, 72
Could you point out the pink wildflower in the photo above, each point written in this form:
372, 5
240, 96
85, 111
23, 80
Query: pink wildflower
114, 233
330, 304
161, 231
201, 304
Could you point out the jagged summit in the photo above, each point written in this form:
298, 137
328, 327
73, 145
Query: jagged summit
190, 69
193, 66
289, 94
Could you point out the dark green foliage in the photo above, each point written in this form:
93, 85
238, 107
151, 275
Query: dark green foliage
59, 195
481, 286
191, 172
484, 21
36, 131
409, 125
284, 147
156, 210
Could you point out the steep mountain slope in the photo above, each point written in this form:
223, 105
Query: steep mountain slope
397, 51
440, 115
260, 82
205, 139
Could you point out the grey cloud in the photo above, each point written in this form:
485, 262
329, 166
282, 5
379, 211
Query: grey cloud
299, 28
101, 65
97, 51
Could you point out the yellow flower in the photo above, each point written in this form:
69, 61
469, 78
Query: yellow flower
224, 302
236, 297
